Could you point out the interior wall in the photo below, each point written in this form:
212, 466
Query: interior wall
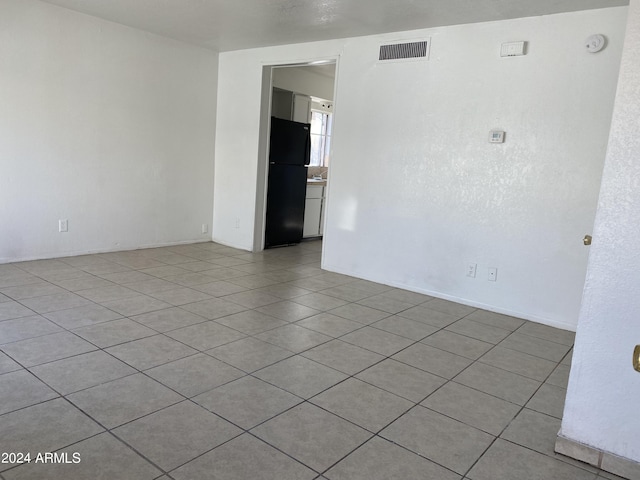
106, 126
601, 405
240, 88
416, 191
304, 80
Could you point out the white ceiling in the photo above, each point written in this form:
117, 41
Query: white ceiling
237, 24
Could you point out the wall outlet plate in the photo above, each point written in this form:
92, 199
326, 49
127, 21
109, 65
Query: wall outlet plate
63, 226
493, 274
471, 270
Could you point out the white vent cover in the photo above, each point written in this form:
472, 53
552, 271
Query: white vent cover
405, 51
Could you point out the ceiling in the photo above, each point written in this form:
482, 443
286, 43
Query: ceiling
237, 24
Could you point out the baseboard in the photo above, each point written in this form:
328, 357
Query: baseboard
119, 248
464, 301
620, 466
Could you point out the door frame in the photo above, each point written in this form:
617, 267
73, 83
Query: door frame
263, 140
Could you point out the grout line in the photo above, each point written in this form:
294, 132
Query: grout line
293, 267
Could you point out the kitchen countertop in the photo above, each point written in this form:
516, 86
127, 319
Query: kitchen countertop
320, 183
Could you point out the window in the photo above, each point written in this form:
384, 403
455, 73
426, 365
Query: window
320, 138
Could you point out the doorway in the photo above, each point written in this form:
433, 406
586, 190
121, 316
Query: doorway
299, 93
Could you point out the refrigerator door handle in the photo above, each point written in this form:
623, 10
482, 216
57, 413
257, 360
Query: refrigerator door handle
307, 151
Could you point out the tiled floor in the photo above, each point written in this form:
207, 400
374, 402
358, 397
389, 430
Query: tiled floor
202, 361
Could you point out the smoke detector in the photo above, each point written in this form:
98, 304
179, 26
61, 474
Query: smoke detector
595, 43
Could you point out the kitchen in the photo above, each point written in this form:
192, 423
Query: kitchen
300, 142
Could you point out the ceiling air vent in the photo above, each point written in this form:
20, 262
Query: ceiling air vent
405, 51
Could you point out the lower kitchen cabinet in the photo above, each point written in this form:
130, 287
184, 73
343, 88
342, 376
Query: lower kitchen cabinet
313, 214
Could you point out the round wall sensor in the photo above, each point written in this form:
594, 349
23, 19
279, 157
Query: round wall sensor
595, 43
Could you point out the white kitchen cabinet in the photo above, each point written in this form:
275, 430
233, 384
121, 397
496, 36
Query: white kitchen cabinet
313, 214
301, 108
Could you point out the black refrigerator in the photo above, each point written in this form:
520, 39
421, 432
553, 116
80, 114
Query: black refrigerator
289, 151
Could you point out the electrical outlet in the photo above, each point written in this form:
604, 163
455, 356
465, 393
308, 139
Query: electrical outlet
205, 228
237, 222
63, 226
493, 274
471, 270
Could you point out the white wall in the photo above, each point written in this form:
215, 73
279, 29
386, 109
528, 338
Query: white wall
601, 408
416, 191
305, 80
109, 127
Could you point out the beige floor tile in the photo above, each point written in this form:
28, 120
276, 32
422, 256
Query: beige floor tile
47, 348
12, 309
204, 336
405, 327
536, 346
251, 322
433, 360
548, 399
507, 460
123, 400
249, 354
114, 332
377, 341
247, 401
499, 383
363, 404
131, 306
517, 362
479, 331
294, 338
7, 364
168, 319
441, 439
244, 457
402, 380
194, 375
82, 316
212, 309
96, 456
150, 351
458, 344
314, 437
177, 434
45, 427
496, 320
359, 313
300, 376
53, 303
21, 389
343, 356
288, 311
426, 315
25, 327
329, 324
82, 371
480, 410
379, 459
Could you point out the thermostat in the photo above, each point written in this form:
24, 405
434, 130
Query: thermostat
512, 49
496, 136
